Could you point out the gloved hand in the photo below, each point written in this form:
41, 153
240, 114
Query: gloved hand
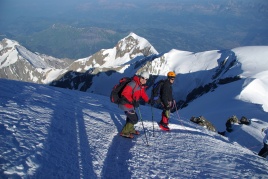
135, 103
167, 113
263, 129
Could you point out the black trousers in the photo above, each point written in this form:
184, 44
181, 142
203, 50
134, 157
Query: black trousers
264, 151
132, 117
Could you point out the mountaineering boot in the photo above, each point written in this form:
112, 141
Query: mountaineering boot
163, 124
135, 132
164, 127
127, 130
131, 136
132, 129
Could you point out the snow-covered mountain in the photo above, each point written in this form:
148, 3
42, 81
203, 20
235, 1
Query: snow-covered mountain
89, 74
18, 63
197, 73
127, 50
48, 132
202, 72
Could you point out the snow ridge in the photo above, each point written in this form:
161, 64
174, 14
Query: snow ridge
32, 58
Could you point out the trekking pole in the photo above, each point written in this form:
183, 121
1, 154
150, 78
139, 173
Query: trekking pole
178, 114
152, 119
254, 146
152, 98
143, 126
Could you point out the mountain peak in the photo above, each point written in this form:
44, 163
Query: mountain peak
7, 52
18, 63
8, 43
133, 35
134, 45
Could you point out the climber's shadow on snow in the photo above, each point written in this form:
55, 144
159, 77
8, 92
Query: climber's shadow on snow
115, 164
66, 147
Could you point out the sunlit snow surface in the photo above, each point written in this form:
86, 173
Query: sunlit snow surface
49, 132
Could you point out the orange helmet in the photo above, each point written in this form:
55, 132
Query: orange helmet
171, 74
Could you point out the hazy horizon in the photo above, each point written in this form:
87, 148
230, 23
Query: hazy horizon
175, 24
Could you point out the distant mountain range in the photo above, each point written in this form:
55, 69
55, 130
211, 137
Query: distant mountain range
197, 73
62, 40
77, 29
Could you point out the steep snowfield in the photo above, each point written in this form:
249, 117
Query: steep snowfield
49, 132
32, 58
198, 69
253, 59
257, 85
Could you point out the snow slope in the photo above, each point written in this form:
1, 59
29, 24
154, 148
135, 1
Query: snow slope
49, 132
33, 58
199, 69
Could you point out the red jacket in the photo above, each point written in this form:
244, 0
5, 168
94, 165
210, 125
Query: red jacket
134, 91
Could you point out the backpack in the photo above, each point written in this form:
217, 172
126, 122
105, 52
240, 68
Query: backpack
115, 95
155, 95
